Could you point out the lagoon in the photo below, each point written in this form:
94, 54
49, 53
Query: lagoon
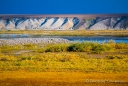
99, 39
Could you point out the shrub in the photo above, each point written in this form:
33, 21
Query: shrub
57, 48
106, 47
77, 47
81, 47
99, 48
88, 47
120, 46
112, 43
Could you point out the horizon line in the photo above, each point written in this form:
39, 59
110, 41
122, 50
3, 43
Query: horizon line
64, 15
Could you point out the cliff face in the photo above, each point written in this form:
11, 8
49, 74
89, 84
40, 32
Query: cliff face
65, 23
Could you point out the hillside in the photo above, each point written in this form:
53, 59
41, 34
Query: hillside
64, 22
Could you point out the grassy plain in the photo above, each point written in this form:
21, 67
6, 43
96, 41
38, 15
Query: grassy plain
69, 32
21, 78
64, 64
73, 64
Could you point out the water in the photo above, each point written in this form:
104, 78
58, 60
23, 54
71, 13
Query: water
99, 39
7, 36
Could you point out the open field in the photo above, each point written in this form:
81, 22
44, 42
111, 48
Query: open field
22, 78
65, 64
54, 65
84, 57
69, 32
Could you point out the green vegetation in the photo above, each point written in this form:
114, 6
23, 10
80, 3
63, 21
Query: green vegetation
63, 64
63, 61
84, 56
88, 47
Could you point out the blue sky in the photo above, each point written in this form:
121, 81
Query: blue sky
63, 6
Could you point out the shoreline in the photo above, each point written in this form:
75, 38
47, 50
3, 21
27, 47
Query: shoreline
17, 41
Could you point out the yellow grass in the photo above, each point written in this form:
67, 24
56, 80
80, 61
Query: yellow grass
68, 32
14, 70
22, 78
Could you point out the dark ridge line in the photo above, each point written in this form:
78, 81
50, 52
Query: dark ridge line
122, 18
61, 15
54, 21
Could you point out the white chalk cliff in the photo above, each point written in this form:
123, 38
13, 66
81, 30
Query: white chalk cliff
65, 23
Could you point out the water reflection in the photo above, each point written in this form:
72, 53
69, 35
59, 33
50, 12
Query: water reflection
99, 39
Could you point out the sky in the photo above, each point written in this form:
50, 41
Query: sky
63, 6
